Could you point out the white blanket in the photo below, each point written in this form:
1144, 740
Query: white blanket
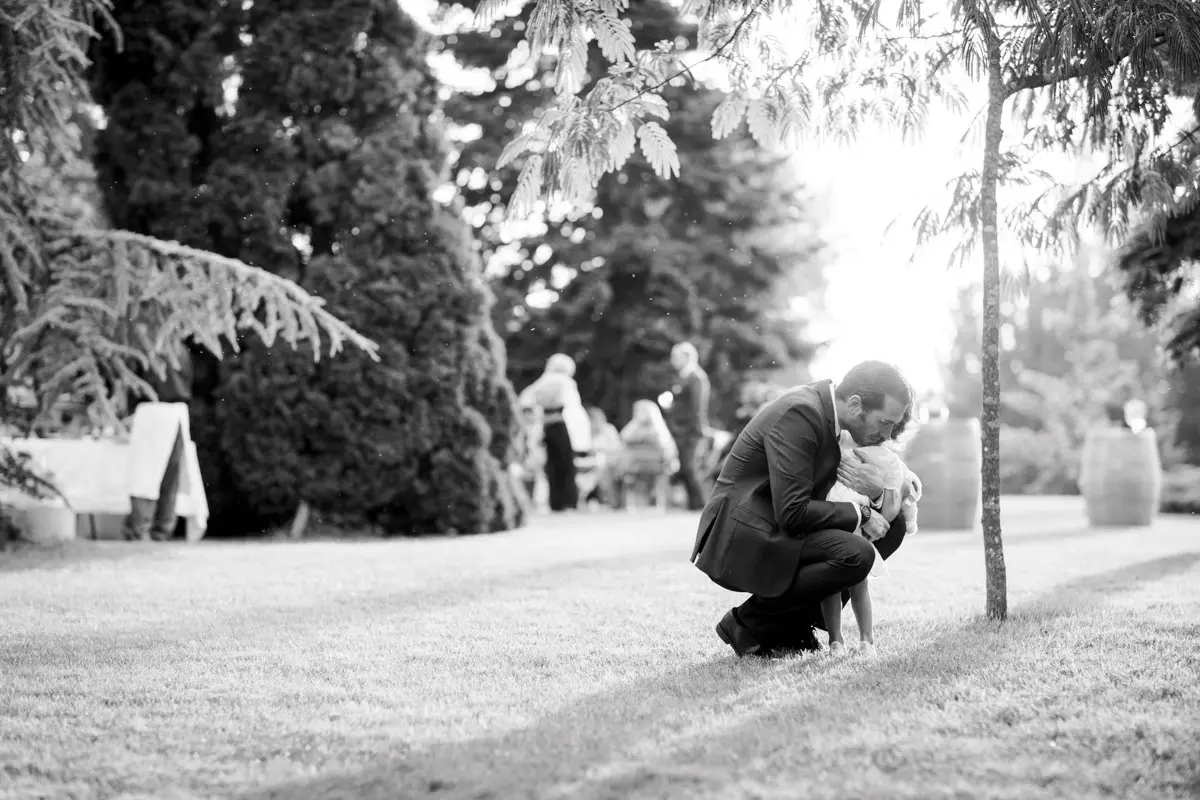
151, 440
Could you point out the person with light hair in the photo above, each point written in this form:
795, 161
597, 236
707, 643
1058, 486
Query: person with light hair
648, 457
563, 435
687, 417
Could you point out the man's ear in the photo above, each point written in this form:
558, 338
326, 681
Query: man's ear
854, 405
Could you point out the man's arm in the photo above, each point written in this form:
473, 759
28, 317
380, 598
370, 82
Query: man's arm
791, 447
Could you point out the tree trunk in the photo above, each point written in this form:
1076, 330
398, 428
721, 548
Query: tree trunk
993, 543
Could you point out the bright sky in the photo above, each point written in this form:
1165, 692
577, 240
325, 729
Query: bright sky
878, 304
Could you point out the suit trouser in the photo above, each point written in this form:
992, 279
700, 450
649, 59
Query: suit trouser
688, 473
560, 467
831, 561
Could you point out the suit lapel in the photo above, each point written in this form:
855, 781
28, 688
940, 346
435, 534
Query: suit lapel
830, 454
826, 394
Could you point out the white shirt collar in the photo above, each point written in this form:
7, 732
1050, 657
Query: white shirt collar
837, 425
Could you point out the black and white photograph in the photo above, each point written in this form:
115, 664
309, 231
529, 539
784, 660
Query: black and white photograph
599, 399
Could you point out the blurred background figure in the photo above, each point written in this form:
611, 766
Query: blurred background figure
529, 464
687, 418
599, 471
753, 396
1135, 413
556, 394
648, 457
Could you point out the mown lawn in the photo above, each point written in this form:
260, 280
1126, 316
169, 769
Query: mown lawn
580, 661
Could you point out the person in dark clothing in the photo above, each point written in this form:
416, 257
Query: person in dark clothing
155, 518
767, 529
687, 418
557, 395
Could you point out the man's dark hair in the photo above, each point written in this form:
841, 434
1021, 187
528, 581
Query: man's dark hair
873, 381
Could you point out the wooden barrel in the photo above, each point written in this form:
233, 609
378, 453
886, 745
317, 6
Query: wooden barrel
945, 454
1120, 476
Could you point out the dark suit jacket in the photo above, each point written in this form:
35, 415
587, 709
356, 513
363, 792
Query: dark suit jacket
766, 499
688, 417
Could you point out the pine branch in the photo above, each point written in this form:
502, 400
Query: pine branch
1061, 217
106, 306
43, 53
177, 280
17, 472
687, 70
1070, 72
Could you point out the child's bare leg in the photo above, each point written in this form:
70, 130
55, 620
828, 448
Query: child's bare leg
831, 610
860, 601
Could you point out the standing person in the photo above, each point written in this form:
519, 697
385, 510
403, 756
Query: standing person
556, 393
766, 530
902, 490
688, 417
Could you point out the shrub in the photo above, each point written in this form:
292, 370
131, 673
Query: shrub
323, 171
1037, 462
1181, 490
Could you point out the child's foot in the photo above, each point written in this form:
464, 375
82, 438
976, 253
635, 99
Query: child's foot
867, 648
837, 649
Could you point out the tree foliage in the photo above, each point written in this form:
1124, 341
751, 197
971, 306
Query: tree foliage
710, 256
324, 170
84, 310
1070, 346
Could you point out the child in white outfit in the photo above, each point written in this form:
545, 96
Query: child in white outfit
902, 490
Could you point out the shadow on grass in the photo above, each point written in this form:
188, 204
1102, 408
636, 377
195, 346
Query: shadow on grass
318, 612
1036, 535
591, 749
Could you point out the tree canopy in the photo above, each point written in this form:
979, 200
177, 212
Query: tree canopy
322, 168
84, 310
712, 256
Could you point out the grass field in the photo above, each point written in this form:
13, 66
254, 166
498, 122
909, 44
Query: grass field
578, 659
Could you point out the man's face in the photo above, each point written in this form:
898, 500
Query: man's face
873, 427
679, 359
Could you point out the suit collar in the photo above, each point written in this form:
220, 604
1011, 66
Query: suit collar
825, 391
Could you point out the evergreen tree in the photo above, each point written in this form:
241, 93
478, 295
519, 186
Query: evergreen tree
323, 170
88, 312
1158, 261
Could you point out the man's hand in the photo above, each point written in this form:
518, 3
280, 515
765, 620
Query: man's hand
875, 527
864, 478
